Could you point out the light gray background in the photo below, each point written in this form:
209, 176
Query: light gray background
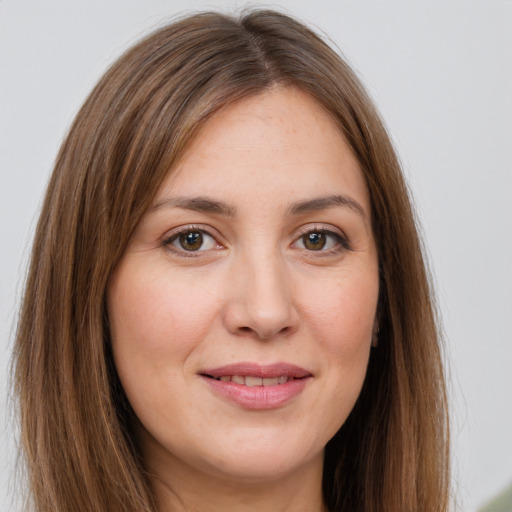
441, 74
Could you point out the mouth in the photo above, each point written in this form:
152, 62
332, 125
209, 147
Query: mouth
255, 386
249, 380
253, 374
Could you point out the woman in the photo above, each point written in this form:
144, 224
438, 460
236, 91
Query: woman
227, 305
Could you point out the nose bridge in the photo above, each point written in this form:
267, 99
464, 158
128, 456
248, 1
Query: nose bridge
262, 303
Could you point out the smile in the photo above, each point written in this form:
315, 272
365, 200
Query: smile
249, 380
253, 386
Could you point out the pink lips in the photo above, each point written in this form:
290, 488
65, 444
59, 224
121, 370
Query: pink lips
257, 386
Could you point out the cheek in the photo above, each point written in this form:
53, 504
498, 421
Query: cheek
156, 321
341, 317
343, 314
156, 314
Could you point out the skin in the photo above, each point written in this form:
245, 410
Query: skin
254, 291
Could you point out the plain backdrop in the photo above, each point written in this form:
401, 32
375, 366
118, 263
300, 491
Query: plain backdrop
441, 74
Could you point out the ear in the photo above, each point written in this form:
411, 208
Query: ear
377, 319
375, 334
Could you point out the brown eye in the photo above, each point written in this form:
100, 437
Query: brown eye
314, 241
191, 240
322, 241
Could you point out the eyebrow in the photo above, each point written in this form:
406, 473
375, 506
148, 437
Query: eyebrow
199, 204
209, 205
323, 203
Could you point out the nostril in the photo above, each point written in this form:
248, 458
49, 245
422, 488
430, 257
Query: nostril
246, 319
262, 333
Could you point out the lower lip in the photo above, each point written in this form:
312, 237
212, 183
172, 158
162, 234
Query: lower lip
258, 397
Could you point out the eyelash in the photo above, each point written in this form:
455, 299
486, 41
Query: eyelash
174, 235
341, 241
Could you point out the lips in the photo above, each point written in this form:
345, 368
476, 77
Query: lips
275, 370
254, 386
249, 380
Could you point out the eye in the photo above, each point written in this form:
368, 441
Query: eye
190, 240
321, 240
314, 241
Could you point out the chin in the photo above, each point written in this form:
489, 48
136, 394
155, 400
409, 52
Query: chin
260, 460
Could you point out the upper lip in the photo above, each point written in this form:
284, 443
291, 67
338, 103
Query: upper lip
258, 370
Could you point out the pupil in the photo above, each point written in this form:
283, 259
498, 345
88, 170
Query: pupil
191, 241
314, 241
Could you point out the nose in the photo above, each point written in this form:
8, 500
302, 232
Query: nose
260, 299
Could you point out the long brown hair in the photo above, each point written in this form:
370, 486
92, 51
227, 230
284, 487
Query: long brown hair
76, 424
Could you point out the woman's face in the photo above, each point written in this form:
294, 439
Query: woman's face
243, 309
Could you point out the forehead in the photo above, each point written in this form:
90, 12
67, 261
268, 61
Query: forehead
278, 145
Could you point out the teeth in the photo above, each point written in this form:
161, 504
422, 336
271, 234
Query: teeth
253, 381
248, 380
